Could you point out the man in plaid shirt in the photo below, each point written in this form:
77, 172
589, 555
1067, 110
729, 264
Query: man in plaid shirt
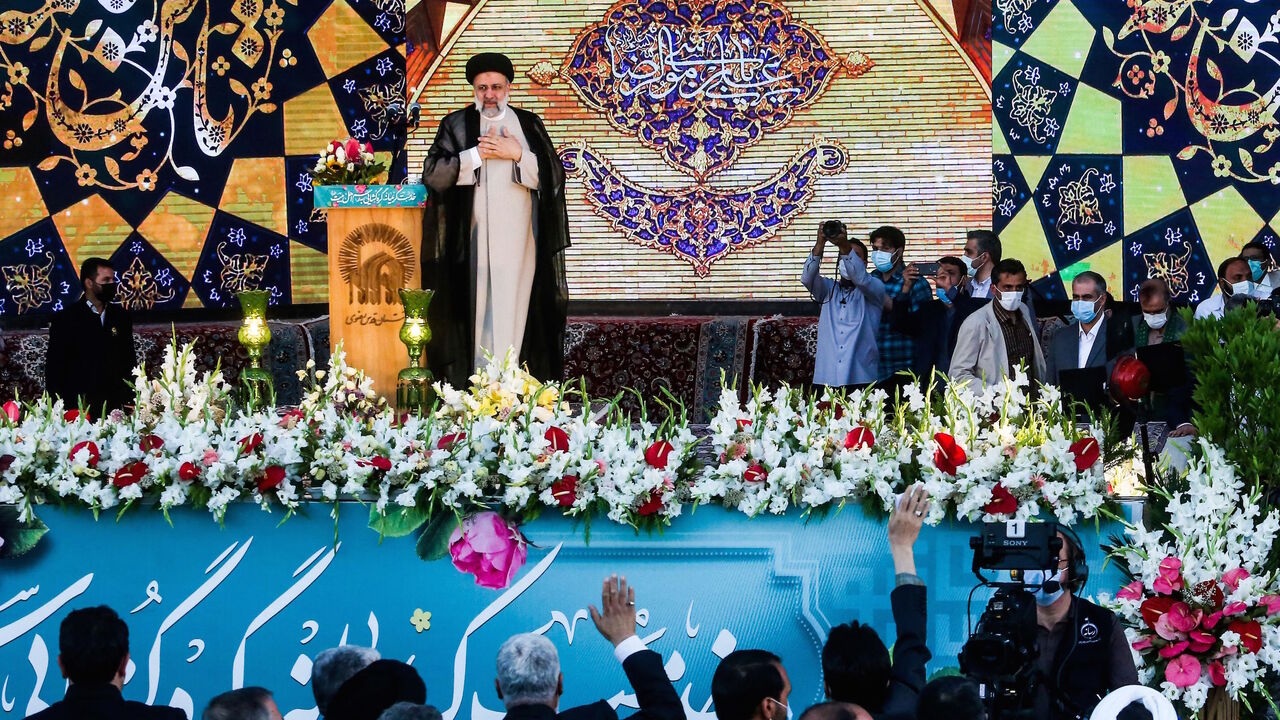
903, 285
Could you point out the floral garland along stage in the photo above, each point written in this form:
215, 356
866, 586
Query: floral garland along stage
513, 442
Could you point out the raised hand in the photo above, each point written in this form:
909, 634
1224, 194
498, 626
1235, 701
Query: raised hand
617, 621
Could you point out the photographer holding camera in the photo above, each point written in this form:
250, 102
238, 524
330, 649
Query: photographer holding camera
851, 306
1083, 650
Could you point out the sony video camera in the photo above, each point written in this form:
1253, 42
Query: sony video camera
1000, 655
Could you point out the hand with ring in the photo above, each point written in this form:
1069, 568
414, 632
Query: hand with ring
616, 620
904, 527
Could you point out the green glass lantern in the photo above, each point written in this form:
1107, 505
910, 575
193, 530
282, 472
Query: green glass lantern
413, 384
255, 335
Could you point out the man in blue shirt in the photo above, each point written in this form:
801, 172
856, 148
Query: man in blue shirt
851, 306
903, 285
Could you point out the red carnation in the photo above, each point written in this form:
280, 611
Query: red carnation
381, 463
565, 490
150, 442
859, 437
1002, 501
656, 454
755, 474
450, 440
188, 472
1086, 453
949, 456
1250, 632
653, 505
273, 476
250, 443
558, 438
91, 446
130, 474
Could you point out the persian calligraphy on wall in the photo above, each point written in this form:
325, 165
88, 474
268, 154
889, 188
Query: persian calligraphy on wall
1138, 139
706, 141
173, 138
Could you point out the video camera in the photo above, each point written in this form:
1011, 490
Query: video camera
1000, 655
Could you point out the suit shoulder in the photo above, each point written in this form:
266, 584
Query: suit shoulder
136, 709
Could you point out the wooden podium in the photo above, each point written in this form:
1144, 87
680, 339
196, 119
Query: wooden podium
375, 237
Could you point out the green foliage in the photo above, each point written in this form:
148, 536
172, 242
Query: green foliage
1236, 363
19, 536
433, 544
397, 521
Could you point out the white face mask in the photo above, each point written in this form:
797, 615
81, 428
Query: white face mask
1157, 320
969, 264
1010, 300
788, 707
1037, 578
1244, 288
883, 260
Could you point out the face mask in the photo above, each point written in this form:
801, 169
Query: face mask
788, 707
1255, 266
1155, 321
946, 296
841, 274
1010, 300
1244, 288
107, 292
1084, 311
882, 260
970, 264
1037, 578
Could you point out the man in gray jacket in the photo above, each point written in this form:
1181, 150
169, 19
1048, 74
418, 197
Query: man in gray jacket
1001, 335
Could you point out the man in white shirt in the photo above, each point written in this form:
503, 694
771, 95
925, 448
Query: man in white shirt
981, 253
1262, 269
1083, 343
1235, 287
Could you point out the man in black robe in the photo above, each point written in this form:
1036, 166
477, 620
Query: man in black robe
461, 164
91, 350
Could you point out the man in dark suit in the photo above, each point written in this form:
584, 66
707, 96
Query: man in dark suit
934, 325
530, 684
93, 652
91, 355
1095, 338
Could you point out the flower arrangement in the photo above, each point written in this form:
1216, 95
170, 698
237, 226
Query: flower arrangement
179, 391
347, 162
1202, 612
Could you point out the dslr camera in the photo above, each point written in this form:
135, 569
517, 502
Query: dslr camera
1000, 655
832, 229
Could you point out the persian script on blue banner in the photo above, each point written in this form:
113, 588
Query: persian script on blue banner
214, 608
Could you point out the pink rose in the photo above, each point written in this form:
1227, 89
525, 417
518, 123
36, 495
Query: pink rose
1132, 591
489, 548
1182, 671
1271, 603
1232, 578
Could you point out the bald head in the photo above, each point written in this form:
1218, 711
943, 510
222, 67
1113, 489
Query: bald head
836, 711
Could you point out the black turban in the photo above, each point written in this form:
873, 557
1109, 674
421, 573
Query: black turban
376, 688
490, 62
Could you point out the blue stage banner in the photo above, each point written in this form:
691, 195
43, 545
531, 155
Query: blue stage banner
210, 609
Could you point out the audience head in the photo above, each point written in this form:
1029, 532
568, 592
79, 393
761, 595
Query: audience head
251, 703
410, 711
1088, 296
951, 270
1234, 276
751, 685
887, 245
93, 646
1155, 299
529, 672
376, 688
953, 697
335, 666
835, 711
856, 666
1259, 258
1008, 283
981, 250
98, 279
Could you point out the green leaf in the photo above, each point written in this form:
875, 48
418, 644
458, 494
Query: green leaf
398, 521
19, 537
433, 544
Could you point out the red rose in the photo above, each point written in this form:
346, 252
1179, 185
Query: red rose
91, 447
1250, 632
381, 463
565, 490
273, 476
1002, 501
1154, 608
558, 438
656, 454
1086, 453
188, 472
859, 438
150, 442
352, 149
250, 443
755, 474
653, 505
73, 415
130, 474
450, 440
949, 456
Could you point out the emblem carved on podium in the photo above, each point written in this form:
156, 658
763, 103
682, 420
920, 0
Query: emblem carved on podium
375, 261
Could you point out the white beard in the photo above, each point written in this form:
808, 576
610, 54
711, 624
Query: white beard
492, 113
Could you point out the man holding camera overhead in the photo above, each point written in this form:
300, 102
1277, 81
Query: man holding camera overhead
851, 305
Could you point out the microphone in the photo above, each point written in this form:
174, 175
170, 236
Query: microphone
1051, 586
